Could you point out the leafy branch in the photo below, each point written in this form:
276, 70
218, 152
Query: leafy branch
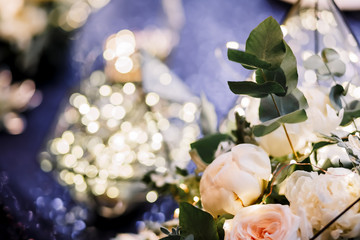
276, 77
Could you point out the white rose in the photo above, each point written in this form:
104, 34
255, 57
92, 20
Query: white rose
317, 199
322, 118
270, 222
235, 179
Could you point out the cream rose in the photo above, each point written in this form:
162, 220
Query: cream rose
235, 179
317, 199
270, 222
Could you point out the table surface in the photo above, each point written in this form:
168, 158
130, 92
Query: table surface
209, 24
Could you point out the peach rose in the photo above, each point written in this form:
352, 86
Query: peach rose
235, 179
270, 222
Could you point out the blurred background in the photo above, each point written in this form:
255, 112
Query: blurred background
97, 94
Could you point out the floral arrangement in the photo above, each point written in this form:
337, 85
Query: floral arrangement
290, 169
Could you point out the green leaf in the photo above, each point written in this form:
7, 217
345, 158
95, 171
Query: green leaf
304, 167
207, 146
266, 42
256, 90
247, 60
337, 67
270, 126
335, 96
351, 112
314, 62
287, 104
278, 76
289, 68
165, 230
329, 55
220, 224
197, 222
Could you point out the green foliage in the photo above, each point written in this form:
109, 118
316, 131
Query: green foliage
197, 222
327, 66
206, 147
335, 95
220, 224
352, 110
175, 234
248, 60
266, 43
276, 77
256, 90
243, 132
287, 104
271, 125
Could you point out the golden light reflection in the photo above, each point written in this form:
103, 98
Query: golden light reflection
113, 132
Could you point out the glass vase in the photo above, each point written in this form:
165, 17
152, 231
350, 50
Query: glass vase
313, 25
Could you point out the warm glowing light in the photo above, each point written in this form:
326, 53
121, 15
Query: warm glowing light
129, 88
151, 196
68, 136
77, 151
105, 90
112, 192
196, 199
46, 165
84, 108
116, 98
176, 213
69, 160
152, 99
93, 127
124, 64
62, 146
233, 45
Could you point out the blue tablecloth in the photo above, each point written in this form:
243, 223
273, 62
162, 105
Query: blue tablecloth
209, 25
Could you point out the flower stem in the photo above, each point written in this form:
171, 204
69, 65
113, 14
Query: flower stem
286, 132
334, 220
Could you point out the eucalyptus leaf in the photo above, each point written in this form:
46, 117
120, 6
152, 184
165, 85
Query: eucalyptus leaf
256, 90
247, 60
287, 104
289, 68
329, 55
266, 42
207, 146
165, 230
197, 222
314, 62
337, 67
335, 96
271, 125
351, 112
278, 76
